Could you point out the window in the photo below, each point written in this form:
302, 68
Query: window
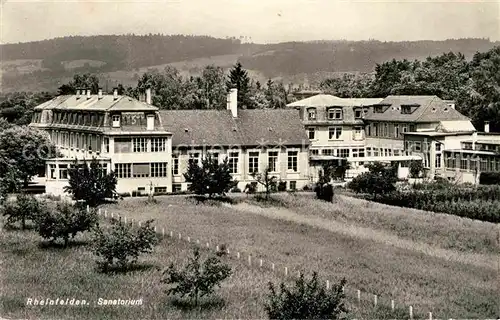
405, 109
158, 169
116, 121
358, 152
312, 133
358, 132
378, 109
253, 162
176, 187
314, 152
438, 146
375, 129
160, 189
273, 160
106, 145
213, 154
405, 128
139, 144
52, 169
418, 146
293, 185
175, 164
104, 168
344, 153
334, 133
412, 128
484, 165
327, 152
396, 152
473, 164
396, 131
335, 114
357, 113
292, 160
140, 170
158, 144
195, 156
311, 114
386, 130
375, 152
368, 151
123, 170
463, 163
233, 161
63, 171
369, 130
438, 161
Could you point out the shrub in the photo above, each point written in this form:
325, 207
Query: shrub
197, 279
380, 179
324, 192
90, 183
308, 299
121, 246
416, 168
251, 187
236, 190
282, 186
25, 207
267, 180
212, 177
489, 178
65, 222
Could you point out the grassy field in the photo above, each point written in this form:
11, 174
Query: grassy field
439, 263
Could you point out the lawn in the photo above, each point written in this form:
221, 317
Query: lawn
378, 249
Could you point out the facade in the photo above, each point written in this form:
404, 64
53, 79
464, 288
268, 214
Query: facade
149, 149
394, 129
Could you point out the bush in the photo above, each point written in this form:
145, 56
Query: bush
26, 207
212, 177
282, 186
251, 187
380, 179
489, 178
197, 279
306, 300
121, 246
65, 222
236, 190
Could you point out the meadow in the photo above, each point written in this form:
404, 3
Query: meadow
436, 263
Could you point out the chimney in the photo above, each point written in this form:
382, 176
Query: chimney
148, 95
232, 102
88, 94
83, 92
486, 126
115, 93
99, 94
150, 122
77, 93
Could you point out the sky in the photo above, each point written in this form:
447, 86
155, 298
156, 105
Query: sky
261, 21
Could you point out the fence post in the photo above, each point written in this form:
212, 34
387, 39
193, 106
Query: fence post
272, 266
375, 300
208, 245
238, 255
392, 305
180, 236
286, 271
430, 315
163, 232
88, 208
171, 234
411, 312
359, 296
99, 211
217, 248
140, 223
261, 263
125, 220
228, 251
327, 284
198, 241
112, 215
249, 260
189, 239
105, 213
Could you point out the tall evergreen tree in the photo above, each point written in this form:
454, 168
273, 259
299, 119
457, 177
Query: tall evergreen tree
239, 79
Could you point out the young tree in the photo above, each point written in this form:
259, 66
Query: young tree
416, 168
307, 299
265, 178
90, 183
212, 177
121, 245
239, 79
26, 207
24, 150
65, 222
197, 279
380, 179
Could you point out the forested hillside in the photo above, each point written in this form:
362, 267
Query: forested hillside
45, 65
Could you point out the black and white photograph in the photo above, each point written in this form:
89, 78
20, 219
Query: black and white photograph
249, 159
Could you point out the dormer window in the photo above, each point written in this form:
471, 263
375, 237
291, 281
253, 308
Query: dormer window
311, 114
357, 113
335, 114
405, 109
378, 109
116, 120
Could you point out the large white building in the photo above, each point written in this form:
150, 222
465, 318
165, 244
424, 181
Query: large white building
149, 149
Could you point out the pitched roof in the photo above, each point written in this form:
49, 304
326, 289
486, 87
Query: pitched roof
455, 126
430, 109
321, 100
105, 103
218, 127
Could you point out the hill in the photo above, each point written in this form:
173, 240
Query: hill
44, 65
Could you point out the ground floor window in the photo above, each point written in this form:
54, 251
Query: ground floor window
158, 169
438, 161
293, 185
292, 160
140, 170
63, 171
344, 153
176, 187
160, 189
123, 170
